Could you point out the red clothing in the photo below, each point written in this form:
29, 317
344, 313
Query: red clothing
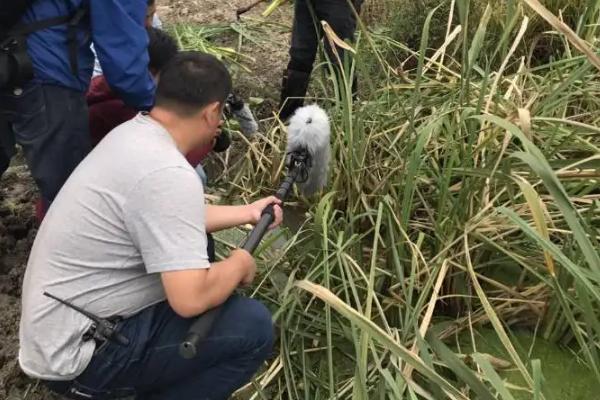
107, 111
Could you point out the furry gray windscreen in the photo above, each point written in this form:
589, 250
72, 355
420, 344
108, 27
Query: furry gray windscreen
309, 129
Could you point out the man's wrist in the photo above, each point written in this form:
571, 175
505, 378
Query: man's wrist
249, 214
244, 260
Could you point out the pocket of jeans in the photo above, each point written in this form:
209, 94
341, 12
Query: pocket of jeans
99, 350
29, 119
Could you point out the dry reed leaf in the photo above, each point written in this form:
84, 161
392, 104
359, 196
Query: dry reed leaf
429, 313
563, 28
442, 51
264, 379
335, 39
379, 334
493, 317
497, 363
272, 7
537, 208
525, 122
505, 62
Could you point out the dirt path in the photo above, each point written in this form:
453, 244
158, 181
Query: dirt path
268, 51
265, 46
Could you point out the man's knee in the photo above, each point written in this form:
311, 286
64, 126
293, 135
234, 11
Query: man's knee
257, 322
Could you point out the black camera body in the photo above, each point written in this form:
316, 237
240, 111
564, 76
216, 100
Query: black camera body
15, 65
222, 142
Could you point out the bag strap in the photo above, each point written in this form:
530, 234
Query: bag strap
72, 38
26, 29
72, 21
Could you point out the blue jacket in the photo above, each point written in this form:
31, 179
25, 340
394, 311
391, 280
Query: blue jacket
116, 27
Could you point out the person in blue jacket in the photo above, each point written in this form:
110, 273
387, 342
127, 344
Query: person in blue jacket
48, 115
152, 20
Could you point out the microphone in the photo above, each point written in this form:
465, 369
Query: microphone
309, 130
308, 158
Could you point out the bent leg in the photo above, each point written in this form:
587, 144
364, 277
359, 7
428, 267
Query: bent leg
239, 343
151, 367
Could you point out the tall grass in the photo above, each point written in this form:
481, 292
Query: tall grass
464, 193
206, 39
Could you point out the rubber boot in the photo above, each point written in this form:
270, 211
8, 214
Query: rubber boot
293, 91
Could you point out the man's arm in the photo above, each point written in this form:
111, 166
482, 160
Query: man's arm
121, 42
192, 292
165, 217
219, 218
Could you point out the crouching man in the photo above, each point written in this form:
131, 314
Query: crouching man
125, 240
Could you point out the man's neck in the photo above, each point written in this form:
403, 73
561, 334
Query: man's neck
179, 128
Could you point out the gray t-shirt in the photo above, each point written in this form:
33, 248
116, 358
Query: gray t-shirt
132, 209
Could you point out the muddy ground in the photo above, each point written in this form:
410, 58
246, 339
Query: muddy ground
17, 231
18, 193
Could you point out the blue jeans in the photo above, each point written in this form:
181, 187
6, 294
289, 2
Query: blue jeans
51, 125
151, 368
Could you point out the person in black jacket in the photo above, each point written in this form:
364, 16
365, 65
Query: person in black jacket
306, 34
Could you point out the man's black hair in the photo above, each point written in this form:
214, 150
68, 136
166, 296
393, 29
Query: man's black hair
161, 48
151, 2
190, 81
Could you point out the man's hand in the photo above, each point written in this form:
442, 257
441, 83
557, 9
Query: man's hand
247, 262
255, 209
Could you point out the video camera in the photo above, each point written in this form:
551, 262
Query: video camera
236, 108
15, 65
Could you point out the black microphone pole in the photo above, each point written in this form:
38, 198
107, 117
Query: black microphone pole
297, 170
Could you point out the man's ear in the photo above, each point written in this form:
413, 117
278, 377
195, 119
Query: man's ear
209, 112
214, 110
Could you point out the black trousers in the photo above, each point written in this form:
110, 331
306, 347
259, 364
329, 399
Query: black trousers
51, 125
307, 31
